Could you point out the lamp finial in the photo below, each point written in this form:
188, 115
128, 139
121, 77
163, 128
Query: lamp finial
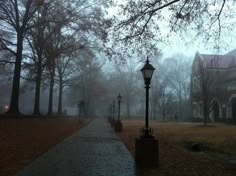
147, 61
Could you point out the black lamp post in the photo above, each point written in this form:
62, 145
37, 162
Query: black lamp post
119, 100
147, 72
118, 125
147, 147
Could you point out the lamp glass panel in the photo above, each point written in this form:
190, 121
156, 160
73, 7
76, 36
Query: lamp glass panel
143, 73
148, 73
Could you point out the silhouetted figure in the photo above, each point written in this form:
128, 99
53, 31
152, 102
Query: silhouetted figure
81, 108
176, 117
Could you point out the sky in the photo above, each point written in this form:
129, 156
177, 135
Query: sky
177, 45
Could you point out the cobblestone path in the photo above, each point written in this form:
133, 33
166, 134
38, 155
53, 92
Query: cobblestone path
93, 151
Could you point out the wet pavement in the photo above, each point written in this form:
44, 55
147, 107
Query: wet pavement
93, 151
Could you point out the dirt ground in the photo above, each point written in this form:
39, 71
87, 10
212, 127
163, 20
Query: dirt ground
22, 140
175, 159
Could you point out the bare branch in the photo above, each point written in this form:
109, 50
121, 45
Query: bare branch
5, 47
6, 62
180, 11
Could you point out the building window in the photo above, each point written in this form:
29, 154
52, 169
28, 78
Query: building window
196, 84
197, 110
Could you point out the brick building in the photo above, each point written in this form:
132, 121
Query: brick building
213, 83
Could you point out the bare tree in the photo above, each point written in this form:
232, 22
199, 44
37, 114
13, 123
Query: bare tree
178, 76
37, 41
54, 49
15, 17
165, 97
64, 76
77, 27
161, 90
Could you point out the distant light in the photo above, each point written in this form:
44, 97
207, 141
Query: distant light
6, 107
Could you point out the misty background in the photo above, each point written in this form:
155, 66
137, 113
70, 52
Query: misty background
72, 59
100, 81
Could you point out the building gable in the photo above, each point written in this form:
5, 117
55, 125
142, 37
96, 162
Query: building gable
195, 65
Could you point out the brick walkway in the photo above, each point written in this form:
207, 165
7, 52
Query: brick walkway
93, 151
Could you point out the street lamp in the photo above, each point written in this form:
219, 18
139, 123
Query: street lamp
119, 100
147, 147
147, 72
118, 125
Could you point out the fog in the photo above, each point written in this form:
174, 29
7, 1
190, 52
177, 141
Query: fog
77, 63
98, 83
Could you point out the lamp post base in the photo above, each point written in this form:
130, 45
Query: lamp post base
147, 151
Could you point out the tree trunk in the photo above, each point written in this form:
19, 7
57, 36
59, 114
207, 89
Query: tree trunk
14, 104
205, 116
50, 102
59, 111
37, 89
163, 111
163, 114
180, 107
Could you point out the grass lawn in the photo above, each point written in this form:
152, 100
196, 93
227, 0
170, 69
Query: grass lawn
22, 140
176, 159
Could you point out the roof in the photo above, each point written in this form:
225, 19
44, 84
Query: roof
233, 52
219, 61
